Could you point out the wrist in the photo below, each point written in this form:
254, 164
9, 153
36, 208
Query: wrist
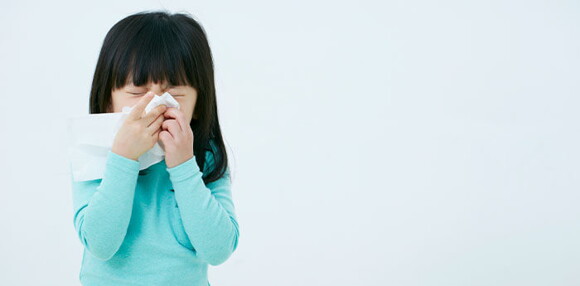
175, 164
120, 153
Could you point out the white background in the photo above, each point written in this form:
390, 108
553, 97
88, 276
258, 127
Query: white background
372, 143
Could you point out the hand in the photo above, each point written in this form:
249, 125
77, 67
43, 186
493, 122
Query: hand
139, 131
176, 138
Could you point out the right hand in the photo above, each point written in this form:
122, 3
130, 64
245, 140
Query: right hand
139, 131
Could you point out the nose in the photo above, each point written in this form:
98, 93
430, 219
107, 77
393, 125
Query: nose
157, 89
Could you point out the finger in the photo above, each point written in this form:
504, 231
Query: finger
156, 125
156, 134
177, 114
138, 109
154, 113
166, 139
172, 126
155, 137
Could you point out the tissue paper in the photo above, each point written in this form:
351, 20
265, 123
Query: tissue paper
91, 137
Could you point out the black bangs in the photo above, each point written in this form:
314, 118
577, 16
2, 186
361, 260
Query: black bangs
150, 50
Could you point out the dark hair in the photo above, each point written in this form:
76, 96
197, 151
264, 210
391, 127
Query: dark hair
158, 46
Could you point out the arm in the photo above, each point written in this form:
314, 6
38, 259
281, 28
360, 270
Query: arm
103, 207
207, 212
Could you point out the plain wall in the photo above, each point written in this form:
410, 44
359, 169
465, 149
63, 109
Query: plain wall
371, 142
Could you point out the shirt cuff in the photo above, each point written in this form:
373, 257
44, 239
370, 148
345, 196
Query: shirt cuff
121, 163
183, 170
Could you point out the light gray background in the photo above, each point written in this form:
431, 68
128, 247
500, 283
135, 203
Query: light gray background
372, 143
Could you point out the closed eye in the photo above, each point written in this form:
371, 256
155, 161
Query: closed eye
139, 93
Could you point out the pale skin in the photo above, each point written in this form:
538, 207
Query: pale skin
168, 126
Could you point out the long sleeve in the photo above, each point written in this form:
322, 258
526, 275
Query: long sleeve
103, 207
207, 212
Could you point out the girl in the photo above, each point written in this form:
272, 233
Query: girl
165, 224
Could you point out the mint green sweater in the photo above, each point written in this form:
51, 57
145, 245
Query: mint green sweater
159, 228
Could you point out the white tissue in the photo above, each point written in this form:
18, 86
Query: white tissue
91, 137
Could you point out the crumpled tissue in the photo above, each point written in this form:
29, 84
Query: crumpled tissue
90, 138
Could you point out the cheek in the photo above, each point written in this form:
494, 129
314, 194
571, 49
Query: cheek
129, 102
187, 113
191, 113
186, 106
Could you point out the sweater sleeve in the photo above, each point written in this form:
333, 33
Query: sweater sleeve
103, 207
207, 212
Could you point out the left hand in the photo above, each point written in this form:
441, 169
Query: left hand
176, 137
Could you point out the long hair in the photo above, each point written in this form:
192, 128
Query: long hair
158, 46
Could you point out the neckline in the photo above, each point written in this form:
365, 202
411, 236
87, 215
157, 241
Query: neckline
159, 165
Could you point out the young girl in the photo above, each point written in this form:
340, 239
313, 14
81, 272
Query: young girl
165, 224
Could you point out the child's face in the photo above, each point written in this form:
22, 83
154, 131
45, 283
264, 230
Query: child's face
130, 94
